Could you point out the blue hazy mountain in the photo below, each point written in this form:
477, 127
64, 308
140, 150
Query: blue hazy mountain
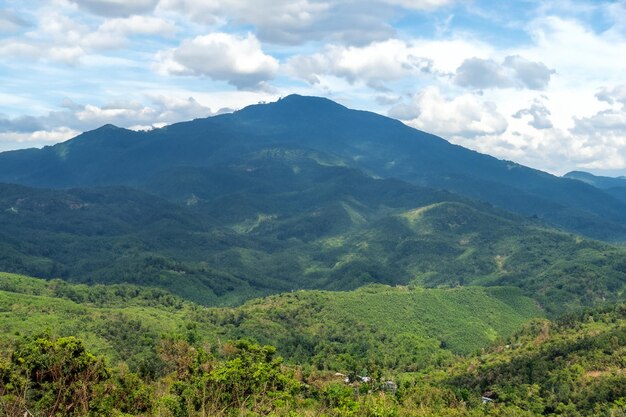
615, 186
379, 146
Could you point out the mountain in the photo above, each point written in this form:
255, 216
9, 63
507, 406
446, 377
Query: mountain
615, 186
172, 243
377, 145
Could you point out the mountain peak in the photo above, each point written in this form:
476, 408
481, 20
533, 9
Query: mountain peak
294, 104
297, 99
107, 127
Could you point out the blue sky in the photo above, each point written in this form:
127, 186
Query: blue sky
542, 83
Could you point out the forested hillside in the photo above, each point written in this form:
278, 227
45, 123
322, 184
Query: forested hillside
148, 365
391, 328
339, 231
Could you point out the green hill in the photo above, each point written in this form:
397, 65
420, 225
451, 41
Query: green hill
394, 328
573, 366
569, 367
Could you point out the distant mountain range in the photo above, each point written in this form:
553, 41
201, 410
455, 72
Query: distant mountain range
615, 186
377, 145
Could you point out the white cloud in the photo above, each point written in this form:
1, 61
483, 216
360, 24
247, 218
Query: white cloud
514, 72
381, 62
421, 4
466, 115
220, 56
604, 133
18, 49
126, 113
75, 118
613, 95
281, 21
137, 25
69, 55
354, 22
373, 64
578, 53
528, 74
37, 139
62, 38
116, 8
539, 113
201, 11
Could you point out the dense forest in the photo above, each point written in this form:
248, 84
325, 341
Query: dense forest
572, 366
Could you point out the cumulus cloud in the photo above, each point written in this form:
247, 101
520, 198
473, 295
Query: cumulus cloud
137, 25
373, 64
280, 21
76, 117
18, 49
379, 63
237, 60
36, 139
127, 113
67, 51
603, 134
59, 37
608, 125
514, 72
20, 124
613, 95
539, 113
465, 115
291, 22
529, 74
482, 73
116, 8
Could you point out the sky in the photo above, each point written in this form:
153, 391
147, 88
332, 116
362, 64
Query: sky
542, 83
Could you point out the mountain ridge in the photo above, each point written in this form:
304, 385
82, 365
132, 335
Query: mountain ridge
376, 144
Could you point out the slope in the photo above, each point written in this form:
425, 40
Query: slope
572, 366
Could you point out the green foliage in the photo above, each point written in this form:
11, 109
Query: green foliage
243, 377
51, 377
574, 366
570, 367
375, 327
